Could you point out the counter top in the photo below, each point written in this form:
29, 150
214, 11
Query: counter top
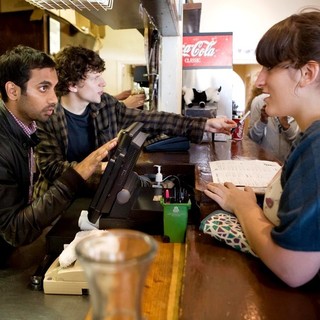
218, 281
221, 283
19, 301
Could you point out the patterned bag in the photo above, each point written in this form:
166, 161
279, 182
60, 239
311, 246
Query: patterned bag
224, 226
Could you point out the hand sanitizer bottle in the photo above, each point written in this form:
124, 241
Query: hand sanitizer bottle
159, 177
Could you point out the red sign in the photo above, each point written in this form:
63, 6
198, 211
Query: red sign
207, 50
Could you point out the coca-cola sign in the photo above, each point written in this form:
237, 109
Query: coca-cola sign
207, 50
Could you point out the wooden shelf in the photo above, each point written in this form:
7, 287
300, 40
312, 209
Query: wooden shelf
191, 17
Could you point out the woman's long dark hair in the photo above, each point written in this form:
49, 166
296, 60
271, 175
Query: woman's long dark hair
294, 40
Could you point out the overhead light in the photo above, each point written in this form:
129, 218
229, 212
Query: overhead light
80, 5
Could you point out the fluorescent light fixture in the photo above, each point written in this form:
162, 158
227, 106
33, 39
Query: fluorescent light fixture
80, 5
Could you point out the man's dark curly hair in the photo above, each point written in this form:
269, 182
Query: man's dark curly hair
73, 64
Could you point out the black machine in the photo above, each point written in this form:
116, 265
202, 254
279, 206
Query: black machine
140, 75
119, 184
117, 200
164, 143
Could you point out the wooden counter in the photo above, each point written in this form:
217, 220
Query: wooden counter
221, 283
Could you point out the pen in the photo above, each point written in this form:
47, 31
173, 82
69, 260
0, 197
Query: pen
240, 122
167, 196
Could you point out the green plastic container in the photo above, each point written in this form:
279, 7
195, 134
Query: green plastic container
175, 220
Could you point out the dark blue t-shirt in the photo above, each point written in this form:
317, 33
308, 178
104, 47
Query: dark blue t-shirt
299, 207
80, 135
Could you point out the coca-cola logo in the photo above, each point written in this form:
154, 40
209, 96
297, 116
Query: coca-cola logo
201, 48
207, 51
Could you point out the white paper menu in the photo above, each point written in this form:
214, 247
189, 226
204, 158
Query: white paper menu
253, 173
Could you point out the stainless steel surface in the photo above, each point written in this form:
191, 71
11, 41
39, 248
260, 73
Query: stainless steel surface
124, 15
19, 301
164, 15
73, 4
129, 14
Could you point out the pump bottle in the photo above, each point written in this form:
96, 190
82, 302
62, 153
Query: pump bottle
159, 177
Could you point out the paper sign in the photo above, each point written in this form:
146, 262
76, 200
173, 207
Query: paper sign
207, 50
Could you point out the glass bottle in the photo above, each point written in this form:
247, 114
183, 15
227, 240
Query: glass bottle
116, 263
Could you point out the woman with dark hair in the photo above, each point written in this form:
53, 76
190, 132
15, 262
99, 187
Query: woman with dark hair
290, 246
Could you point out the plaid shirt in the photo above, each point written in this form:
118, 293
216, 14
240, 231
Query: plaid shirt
28, 130
109, 117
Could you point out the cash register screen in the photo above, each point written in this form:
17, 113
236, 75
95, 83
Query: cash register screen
118, 181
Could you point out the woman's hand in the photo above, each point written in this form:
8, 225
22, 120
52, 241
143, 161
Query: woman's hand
284, 123
264, 116
230, 197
